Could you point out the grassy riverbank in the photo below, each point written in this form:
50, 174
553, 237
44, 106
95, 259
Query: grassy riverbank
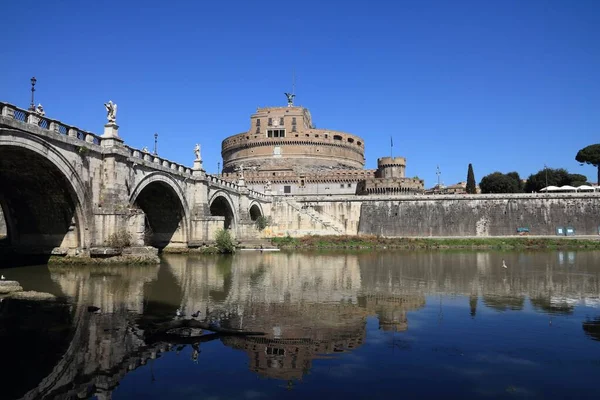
374, 242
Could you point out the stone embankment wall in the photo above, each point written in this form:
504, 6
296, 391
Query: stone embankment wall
453, 215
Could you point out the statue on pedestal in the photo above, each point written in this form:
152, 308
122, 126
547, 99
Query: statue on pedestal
111, 112
290, 99
197, 152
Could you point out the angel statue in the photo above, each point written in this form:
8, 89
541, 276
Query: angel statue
111, 111
39, 110
290, 99
197, 151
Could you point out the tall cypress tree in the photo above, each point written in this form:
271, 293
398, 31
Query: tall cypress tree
471, 188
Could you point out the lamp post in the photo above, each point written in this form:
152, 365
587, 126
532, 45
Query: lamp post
546, 170
218, 167
32, 105
155, 143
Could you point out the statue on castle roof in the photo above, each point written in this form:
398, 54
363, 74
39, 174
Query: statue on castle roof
197, 151
111, 112
290, 99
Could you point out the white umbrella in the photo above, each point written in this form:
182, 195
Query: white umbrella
585, 188
550, 189
568, 188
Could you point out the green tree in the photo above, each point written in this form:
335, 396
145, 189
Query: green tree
471, 187
515, 176
590, 155
498, 182
552, 177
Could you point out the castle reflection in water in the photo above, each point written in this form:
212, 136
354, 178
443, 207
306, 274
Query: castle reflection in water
310, 306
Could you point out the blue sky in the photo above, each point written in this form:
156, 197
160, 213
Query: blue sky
505, 85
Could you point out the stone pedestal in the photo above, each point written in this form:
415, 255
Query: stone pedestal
197, 170
111, 137
111, 131
241, 182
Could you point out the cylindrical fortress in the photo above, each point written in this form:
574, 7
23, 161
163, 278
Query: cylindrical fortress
388, 167
283, 138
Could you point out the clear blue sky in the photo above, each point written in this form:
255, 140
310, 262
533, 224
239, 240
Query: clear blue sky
505, 85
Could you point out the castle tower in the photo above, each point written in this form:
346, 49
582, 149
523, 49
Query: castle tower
391, 167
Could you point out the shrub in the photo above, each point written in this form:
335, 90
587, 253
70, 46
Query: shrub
262, 222
224, 241
119, 239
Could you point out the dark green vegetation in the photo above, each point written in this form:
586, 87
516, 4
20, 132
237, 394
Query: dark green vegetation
471, 186
224, 242
553, 177
498, 182
511, 182
590, 155
374, 242
262, 222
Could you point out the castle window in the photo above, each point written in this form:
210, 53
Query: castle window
258, 129
302, 182
359, 143
294, 128
276, 133
341, 185
281, 121
337, 137
293, 120
287, 189
350, 140
258, 122
270, 122
349, 185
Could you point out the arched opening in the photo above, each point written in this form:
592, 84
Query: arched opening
255, 212
164, 223
39, 210
221, 207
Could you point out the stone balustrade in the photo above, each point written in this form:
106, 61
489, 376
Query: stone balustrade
155, 159
51, 125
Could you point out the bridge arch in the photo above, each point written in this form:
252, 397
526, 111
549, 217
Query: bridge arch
42, 196
166, 210
222, 205
255, 211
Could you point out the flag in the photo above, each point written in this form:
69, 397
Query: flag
391, 142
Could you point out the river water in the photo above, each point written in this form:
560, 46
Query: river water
337, 325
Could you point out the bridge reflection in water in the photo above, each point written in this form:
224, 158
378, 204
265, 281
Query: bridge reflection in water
311, 307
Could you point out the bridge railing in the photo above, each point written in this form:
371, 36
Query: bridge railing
216, 181
51, 125
154, 158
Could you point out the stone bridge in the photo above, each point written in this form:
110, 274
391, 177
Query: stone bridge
64, 190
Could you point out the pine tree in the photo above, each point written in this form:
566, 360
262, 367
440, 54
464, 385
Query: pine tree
471, 188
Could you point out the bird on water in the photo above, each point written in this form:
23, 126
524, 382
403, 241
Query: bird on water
93, 309
178, 313
3, 278
196, 314
504, 264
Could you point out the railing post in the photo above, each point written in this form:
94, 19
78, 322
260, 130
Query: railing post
72, 132
33, 119
8, 111
54, 127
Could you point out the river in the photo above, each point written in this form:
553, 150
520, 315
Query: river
337, 324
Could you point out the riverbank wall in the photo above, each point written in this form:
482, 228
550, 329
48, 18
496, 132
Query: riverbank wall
431, 216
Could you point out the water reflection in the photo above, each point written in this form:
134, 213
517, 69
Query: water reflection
311, 307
